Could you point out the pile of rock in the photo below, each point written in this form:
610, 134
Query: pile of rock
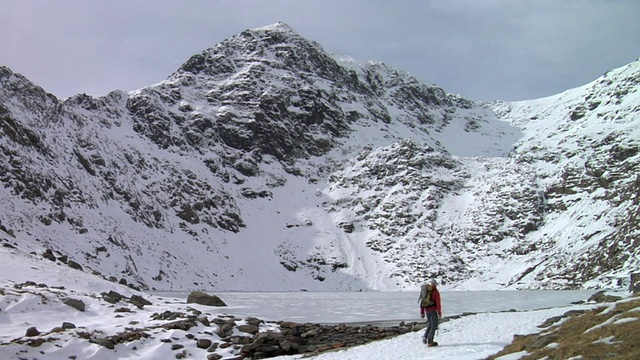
249, 338
295, 338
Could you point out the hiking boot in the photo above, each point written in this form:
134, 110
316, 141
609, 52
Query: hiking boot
432, 344
424, 341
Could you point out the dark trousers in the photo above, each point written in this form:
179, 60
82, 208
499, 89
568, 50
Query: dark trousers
432, 326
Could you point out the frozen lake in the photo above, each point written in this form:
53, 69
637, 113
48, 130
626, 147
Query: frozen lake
358, 307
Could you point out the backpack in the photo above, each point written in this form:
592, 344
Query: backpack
427, 301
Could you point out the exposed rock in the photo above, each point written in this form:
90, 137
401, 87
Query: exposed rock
56, 329
106, 342
139, 301
602, 297
32, 331
204, 320
248, 328
48, 254
167, 315
199, 297
226, 329
75, 303
112, 297
74, 265
308, 338
253, 321
204, 343
180, 325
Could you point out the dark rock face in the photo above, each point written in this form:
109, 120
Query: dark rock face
279, 110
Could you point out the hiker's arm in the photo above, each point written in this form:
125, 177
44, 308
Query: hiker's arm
438, 303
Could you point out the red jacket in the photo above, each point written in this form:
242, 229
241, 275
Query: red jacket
435, 297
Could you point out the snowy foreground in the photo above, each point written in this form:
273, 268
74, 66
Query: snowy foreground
470, 337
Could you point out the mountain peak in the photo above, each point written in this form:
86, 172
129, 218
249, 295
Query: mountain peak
279, 26
275, 43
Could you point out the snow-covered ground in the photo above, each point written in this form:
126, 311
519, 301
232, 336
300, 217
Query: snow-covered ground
470, 337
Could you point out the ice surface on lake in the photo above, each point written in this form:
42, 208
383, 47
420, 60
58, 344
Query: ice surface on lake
349, 307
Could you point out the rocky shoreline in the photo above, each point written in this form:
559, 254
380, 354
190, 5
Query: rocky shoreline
185, 326
197, 324
247, 339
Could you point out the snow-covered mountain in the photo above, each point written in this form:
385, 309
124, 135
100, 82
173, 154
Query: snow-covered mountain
266, 163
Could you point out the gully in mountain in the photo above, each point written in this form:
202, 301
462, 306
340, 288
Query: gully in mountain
430, 306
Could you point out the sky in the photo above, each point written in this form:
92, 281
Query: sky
483, 50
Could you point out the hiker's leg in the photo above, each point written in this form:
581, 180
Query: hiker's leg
432, 318
427, 330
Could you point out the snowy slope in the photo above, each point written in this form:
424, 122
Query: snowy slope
583, 145
266, 163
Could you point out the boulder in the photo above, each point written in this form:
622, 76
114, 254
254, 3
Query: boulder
112, 297
68, 325
106, 342
199, 297
139, 301
75, 303
74, 265
48, 254
225, 330
248, 328
253, 321
32, 331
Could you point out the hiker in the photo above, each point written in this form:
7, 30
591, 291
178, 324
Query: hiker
430, 307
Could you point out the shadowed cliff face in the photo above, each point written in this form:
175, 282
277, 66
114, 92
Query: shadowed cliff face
265, 163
